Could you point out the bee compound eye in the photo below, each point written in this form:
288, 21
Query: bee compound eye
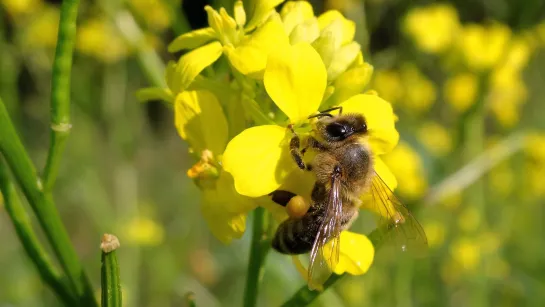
336, 130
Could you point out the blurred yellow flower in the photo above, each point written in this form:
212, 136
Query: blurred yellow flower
435, 138
534, 146
506, 95
405, 163
460, 91
142, 231
154, 13
15, 8
388, 84
435, 232
99, 38
467, 253
433, 27
482, 47
502, 179
41, 32
469, 219
419, 91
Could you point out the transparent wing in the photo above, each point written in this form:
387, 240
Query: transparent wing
397, 226
324, 254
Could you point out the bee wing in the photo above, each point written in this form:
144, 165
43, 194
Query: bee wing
324, 254
396, 225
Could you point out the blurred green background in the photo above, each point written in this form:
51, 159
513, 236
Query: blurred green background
124, 170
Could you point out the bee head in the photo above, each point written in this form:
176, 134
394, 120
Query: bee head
339, 128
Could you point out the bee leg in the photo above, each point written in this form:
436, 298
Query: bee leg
314, 143
282, 197
296, 154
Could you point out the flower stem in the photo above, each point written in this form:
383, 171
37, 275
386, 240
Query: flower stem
34, 249
258, 252
111, 284
44, 208
60, 91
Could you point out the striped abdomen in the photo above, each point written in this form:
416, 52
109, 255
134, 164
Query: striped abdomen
296, 236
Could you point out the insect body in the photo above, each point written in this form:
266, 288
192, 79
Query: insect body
344, 170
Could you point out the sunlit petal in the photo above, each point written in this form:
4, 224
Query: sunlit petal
295, 78
191, 64
195, 112
261, 11
294, 13
356, 255
348, 26
250, 56
191, 40
258, 159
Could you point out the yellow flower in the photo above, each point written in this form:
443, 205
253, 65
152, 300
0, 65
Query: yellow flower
482, 47
461, 91
419, 91
259, 159
143, 231
42, 31
388, 84
433, 28
406, 163
467, 253
98, 38
435, 232
154, 13
435, 138
228, 35
15, 8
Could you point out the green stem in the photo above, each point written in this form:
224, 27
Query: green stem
111, 284
44, 208
305, 296
60, 91
258, 252
35, 251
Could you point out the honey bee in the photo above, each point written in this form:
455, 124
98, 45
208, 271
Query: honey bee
344, 171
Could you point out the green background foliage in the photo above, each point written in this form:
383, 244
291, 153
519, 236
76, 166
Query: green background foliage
124, 167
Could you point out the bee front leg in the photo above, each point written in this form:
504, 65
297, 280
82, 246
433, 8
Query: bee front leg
296, 154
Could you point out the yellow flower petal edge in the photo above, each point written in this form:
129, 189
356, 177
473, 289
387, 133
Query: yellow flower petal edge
258, 159
191, 64
348, 26
194, 113
356, 255
383, 136
261, 10
250, 57
294, 13
295, 78
224, 226
192, 39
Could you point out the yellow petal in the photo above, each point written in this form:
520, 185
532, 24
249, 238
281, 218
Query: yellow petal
294, 13
306, 32
225, 227
195, 112
348, 26
192, 40
351, 82
342, 60
240, 13
191, 64
261, 11
295, 78
356, 255
258, 159
250, 56
380, 118
326, 45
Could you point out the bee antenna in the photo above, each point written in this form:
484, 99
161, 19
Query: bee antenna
320, 115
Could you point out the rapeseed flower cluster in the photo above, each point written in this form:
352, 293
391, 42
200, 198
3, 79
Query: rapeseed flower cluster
237, 86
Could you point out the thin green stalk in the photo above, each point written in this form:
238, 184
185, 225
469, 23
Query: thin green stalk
44, 208
305, 296
111, 284
258, 252
34, 249
60, 91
